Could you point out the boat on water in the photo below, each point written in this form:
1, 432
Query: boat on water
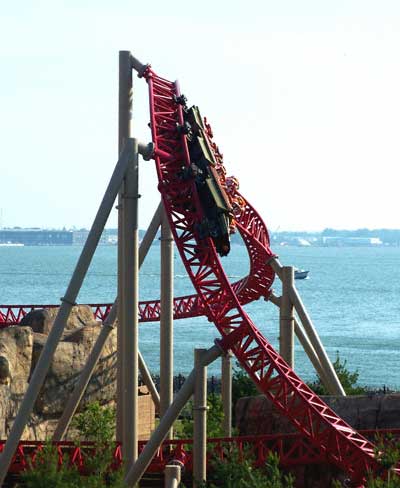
300, 274
11, 244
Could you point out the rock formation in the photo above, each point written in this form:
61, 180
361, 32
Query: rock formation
20, 348
257, 415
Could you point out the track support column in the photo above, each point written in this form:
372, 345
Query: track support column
68, 301
166, 319
108, 327
226, 392
130, 307
286, 317
184, 394
124, 132
172, 475
330, 375
200, 420
329, 371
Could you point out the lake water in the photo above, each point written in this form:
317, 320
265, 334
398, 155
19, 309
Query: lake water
352, 295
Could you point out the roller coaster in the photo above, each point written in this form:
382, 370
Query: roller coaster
204, 207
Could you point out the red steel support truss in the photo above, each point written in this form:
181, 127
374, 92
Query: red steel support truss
324, 434
314, 419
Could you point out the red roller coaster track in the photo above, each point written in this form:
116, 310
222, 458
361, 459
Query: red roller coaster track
221, 301
342, 444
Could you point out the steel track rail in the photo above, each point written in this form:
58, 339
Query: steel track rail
222, 301
257, 284
342, 445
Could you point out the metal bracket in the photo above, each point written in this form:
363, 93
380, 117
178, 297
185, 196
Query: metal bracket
201, 408
146, 150
138, 66
65, 300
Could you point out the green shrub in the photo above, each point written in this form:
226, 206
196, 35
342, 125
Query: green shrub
96, 424
387, 451
46, 472
238, 471
242, 385
346, 378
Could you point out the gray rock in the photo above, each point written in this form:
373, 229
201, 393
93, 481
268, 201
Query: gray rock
41, 320
20, 349
257, 415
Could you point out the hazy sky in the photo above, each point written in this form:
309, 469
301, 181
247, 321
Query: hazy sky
303, 97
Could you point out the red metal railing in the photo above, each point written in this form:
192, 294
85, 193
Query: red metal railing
293, 450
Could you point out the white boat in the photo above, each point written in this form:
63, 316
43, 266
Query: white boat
11, 244
300, 274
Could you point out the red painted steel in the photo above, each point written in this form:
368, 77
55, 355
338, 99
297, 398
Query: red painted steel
341, 444
293, 450
324, 433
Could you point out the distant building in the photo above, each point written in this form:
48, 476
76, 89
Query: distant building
36, 237
351, 241
108, 237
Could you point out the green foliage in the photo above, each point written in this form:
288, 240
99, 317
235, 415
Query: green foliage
95, 424
237, 471
387, 451
242, 385
347, 379
46, 472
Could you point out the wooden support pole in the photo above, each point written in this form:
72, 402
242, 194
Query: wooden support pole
166, 318
108, 327
200, 420
130, 309
307, 346
124, 132
68, 301
181, 398
172, 475
226, 392
286, 318
329, 371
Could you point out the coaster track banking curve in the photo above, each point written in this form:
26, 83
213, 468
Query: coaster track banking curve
257, 284
222, 301
342, 444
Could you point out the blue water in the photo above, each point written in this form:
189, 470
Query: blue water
352, 295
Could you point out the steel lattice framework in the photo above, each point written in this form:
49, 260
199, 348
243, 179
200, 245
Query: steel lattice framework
339, 441
324, 435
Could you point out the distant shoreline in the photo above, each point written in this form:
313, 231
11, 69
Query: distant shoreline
326, 238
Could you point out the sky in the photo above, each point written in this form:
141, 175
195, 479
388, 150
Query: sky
303, 97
